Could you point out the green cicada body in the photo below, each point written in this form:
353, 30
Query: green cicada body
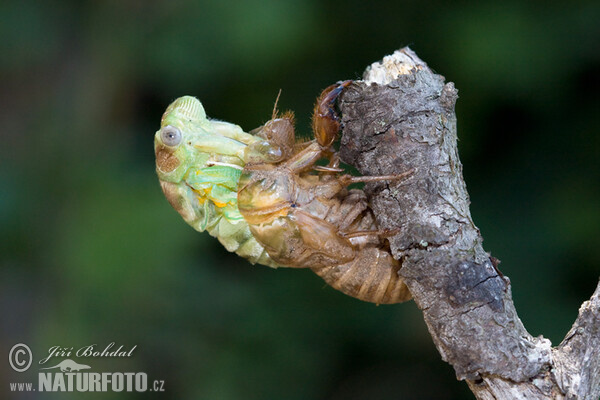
199, 163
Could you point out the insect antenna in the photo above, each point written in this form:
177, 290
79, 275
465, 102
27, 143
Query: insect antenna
275, 106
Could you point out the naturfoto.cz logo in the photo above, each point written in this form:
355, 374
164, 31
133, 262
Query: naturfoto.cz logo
71, 376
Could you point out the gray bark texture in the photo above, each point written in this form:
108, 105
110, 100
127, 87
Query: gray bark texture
401, 117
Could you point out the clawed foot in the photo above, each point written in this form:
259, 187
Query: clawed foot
325, 121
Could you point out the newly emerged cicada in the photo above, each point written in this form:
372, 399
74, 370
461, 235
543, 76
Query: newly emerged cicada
263, 195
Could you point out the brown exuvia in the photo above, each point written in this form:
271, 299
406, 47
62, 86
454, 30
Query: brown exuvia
304, 215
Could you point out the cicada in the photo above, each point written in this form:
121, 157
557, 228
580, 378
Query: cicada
265, 196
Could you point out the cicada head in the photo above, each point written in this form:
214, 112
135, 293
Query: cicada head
182, 125
198, 163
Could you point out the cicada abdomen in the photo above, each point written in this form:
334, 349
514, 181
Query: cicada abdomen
372, 274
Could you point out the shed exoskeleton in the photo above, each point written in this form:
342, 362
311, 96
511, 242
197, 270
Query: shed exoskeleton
305, 217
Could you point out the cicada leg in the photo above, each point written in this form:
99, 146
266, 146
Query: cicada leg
326, 125
325, 121
330, 183
279, 136
331, 170
384, 233
349, 179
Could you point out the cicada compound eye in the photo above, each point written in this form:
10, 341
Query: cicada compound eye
171, 136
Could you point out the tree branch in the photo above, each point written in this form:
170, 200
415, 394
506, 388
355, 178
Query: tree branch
577, 358
401, 117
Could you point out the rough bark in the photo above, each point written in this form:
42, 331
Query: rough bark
401, 117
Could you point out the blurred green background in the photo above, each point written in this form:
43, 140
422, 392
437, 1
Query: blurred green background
91, 252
